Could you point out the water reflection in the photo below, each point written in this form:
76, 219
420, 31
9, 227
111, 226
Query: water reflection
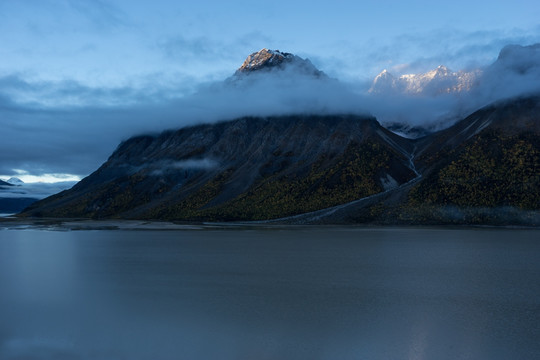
284, 294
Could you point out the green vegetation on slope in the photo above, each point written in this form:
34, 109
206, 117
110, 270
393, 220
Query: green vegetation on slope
353, 175
492, 170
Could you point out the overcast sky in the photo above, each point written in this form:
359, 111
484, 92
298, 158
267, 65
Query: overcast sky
77, 77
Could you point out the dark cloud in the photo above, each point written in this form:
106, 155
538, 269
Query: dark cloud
34, 190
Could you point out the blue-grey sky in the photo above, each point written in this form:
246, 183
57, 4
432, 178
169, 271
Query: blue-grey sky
65, 64
130, 42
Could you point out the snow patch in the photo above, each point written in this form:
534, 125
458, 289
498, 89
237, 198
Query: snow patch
438, 81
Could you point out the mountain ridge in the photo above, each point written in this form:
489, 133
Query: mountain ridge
251, 156
275, 179
512, 60
343, 168
438, 81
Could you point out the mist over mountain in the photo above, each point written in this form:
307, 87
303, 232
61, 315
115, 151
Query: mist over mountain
281, 140
249, 168
16, 195
268, 83
321, 169
435, 82
438, 98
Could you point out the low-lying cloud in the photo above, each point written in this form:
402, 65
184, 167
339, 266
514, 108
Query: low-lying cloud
76, 139
515, 73
34, 190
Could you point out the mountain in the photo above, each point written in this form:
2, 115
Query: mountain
483, 170
15, 181
12, 199
4, 183
16, 195
438, 81
515, 72
249, 168
267, 60
519, 59
14, 205
315, 168
491, 158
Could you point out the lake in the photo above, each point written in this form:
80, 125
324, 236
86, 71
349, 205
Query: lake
270, 293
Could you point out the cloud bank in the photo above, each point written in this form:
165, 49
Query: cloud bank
76, 127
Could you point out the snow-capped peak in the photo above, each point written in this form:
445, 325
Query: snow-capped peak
384, 74
266, 59
437, 81
15, 181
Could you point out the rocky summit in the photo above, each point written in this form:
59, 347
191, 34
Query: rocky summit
267, 60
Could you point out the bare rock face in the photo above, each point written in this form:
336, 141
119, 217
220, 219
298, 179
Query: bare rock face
267, 60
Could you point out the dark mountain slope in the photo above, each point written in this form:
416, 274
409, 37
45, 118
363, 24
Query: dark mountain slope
14, 205
250, 168
508, 118
490, 160
483, 170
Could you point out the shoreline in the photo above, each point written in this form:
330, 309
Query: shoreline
68, 224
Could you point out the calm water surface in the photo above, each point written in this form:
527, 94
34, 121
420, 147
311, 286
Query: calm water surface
322, 293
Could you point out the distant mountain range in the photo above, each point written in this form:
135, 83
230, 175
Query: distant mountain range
4, 183
434, 82
485, 169
513, 60
15, 195
12, 200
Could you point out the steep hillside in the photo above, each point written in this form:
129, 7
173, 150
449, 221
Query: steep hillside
483, 170
250, 168
492, 158
327, 168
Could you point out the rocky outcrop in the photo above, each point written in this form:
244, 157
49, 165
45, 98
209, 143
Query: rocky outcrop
267, 60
